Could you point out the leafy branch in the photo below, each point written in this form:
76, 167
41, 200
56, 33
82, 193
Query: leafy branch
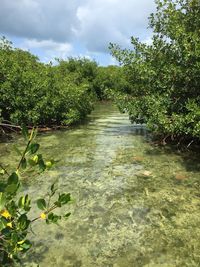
14, 220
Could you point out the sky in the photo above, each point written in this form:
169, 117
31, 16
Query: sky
74, 28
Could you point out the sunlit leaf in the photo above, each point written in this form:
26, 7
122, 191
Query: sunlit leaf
2, 200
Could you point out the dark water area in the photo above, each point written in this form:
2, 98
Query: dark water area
134, 204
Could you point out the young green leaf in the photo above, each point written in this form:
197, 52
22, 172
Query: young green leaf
41, 203
26, 245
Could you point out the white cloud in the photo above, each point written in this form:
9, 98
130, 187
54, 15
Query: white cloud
55, 24
50, 48
101, 22
48, 45
40, 19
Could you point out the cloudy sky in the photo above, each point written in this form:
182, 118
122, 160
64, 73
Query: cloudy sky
63, 28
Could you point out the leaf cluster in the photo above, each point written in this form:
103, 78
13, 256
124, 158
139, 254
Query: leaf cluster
15, 222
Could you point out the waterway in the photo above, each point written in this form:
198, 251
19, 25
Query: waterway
134, 204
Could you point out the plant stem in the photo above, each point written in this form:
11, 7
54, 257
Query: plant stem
46, 212
1, 166
25, 150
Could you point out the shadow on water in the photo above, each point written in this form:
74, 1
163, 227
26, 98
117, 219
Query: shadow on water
188, 158
36, 255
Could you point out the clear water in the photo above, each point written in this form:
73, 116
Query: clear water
134, 204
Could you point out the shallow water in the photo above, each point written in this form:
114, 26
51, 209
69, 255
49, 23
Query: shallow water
134, 204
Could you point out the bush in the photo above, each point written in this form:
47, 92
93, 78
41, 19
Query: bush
34, 93
164, 76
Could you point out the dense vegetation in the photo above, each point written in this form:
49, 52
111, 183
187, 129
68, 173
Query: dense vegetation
164, 76
34, 93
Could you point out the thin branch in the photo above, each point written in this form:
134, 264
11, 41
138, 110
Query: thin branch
10, 125
1, 166
23, 155
25, 150
190, 143
46, 212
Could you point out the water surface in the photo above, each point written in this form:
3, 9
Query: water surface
134, 204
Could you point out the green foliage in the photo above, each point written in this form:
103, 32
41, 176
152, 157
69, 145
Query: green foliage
107, 81
33, 93
15, 222
164, 76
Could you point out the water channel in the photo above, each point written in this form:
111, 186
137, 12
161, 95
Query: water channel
134, 204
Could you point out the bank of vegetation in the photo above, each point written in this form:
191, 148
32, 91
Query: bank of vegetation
164, 75
49, 95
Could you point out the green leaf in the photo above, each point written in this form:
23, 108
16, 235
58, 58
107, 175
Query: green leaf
23, 222
14, 237
64, 198
33, 148
53, 218
54, 188
13, 178
40, 162
27, 204
3, 223
11, 188
58, 204
12, 184
42, 165
26, 245
24, 163
2, 200
41, 203
2, 187
67, 215
24, 203
21, 202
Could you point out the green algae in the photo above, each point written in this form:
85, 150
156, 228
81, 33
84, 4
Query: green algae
129, 207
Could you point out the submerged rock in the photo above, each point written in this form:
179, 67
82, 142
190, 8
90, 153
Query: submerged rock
180, 176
